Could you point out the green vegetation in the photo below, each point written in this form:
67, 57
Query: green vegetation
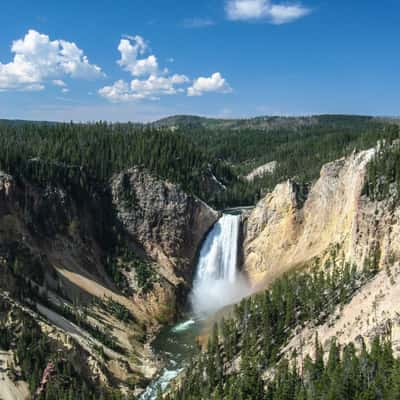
144, 275
79, 316
118, 310
347, 374
80, 157
300, 146
263, 324
383, 175
124, 259
114, 271
34, 351
21, 262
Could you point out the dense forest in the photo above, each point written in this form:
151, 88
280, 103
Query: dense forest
300, 149
348, 373
83, 155
208, 162
262, 325
383, 174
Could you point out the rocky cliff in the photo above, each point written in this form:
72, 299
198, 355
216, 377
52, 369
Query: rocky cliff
160, 218
104, 267
285, 230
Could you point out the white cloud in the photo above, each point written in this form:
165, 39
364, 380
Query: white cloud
149, 88
282, 14
119, 91
215, 83
59, 82
129, 56
246, 9
38, 59
265, 9
158, 85
150, 81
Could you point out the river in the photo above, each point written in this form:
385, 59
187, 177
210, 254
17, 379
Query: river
217, 283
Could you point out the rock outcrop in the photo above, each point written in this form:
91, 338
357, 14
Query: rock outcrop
284, 232
166, 222
258, 172
287, 232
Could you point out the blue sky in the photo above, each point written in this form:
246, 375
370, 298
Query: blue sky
144, 59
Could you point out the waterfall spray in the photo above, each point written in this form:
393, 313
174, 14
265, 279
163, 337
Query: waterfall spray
217, 281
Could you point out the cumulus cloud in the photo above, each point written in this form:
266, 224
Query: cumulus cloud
131, 48
150, 88
215, 83
159, 85
119, 91
37, 59
237, 10
149, 82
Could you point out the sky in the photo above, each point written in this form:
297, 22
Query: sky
140, 60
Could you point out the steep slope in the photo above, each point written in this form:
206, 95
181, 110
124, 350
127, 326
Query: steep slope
104, 267
286, 233
168, 223
285, 230
373, 311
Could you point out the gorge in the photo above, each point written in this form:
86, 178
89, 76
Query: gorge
217, 283
120, 267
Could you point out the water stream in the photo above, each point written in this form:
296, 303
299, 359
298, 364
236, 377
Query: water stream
217, 283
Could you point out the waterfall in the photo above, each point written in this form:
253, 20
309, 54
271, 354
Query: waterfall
217, 281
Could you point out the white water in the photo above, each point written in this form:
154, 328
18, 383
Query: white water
217, 284
217, 281
160, 384
183, 326
176, 346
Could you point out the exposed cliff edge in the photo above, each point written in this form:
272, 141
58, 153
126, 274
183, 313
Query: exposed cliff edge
104, 266
285, 231
168, 223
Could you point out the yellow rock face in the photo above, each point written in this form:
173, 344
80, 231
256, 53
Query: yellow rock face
282, 232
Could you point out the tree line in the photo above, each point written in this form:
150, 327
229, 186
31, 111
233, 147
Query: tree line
84, 155
299, 149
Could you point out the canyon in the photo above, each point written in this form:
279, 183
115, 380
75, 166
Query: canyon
57, 242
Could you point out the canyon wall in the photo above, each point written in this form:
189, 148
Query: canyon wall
287, 228
122, 254
286, 232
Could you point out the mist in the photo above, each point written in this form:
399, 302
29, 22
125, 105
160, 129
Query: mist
218, 282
